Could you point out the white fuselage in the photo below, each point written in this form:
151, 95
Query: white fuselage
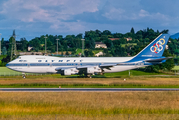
49, 64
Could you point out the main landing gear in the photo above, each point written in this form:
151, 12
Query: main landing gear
23, 75
89, 76
85, 76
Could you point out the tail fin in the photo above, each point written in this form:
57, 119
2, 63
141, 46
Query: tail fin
155, 48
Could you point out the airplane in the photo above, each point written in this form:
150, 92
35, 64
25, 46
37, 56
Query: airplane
150, 55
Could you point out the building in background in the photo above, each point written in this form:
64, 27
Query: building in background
100, 45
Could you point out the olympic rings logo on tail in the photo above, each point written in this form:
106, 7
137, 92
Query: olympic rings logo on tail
157, 47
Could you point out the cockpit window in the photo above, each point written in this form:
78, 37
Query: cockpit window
22, 60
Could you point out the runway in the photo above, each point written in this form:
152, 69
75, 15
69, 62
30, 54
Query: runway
84, 89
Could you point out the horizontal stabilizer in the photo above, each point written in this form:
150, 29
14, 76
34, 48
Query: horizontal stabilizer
158, 60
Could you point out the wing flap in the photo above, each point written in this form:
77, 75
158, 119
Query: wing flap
107, 65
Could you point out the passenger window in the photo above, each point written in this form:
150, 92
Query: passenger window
39, 60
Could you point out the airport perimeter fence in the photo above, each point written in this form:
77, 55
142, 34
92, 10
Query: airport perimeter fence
92, 117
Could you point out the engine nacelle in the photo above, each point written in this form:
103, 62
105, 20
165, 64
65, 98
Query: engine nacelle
90, 70
71, 71
93, 70
67, 72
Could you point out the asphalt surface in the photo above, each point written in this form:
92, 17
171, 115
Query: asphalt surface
84, 89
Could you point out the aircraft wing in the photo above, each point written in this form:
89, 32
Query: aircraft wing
101, 66
107, 66
85, 67
62, 68
158, 60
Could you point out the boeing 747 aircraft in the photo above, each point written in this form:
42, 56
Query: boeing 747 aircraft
150, 55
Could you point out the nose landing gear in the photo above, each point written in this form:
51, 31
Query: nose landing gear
23, 75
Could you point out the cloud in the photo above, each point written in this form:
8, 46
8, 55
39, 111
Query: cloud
114, 13
40, 10
76, 16
50, 11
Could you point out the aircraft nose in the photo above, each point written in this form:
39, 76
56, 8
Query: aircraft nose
8, 65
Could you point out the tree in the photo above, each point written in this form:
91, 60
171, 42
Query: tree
3, 43
79, 36
106, 53
67, 53
98, 32
106, 32
4, 51
113, 52
88, 53
132, 30
165, 31
169, 64
120, 51
11, 46
118, 35
108, 43
35, 43
90, 43
139, 35
70, 40
23, 44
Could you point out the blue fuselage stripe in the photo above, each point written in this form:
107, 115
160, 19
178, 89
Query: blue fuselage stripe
73, 64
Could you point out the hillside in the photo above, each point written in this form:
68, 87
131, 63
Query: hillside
175, 36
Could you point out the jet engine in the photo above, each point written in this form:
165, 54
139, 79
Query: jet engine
69, 72
92, 70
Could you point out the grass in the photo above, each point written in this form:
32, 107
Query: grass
132, 73
175, 68
4, 71
109, 80
52, 82
78, 51
89, 105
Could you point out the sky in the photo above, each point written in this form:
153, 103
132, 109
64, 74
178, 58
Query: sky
33, 18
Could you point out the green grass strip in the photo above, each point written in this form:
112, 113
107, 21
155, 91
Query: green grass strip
87, 86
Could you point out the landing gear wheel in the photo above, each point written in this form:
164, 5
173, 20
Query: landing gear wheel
88, 76
23, 75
